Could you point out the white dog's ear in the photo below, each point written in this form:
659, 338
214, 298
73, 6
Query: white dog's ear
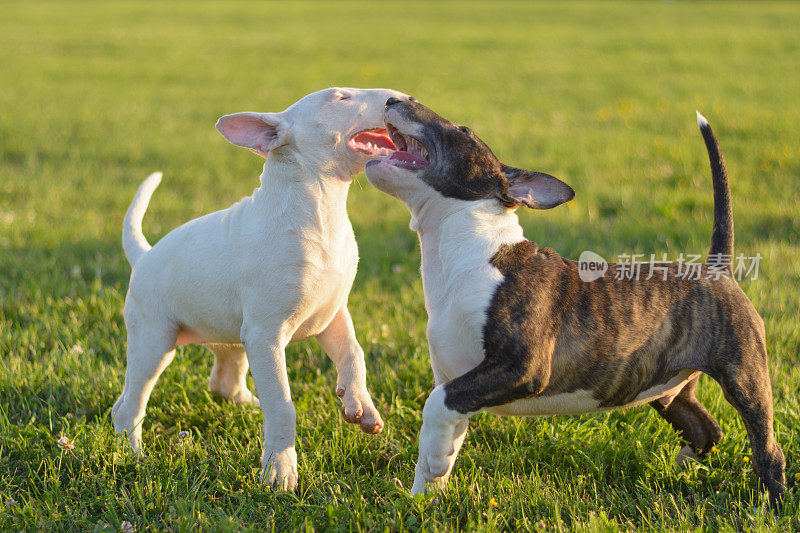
261, 132
536, 190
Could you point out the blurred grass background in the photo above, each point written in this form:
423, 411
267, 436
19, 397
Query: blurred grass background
96, 95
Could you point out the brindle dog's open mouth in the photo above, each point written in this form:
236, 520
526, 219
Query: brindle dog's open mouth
411, 154
375, 142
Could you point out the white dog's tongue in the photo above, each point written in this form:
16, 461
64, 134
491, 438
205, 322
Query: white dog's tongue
407, 160
375, 142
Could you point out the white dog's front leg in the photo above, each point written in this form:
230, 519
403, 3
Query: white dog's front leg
339, 341
267, 357
440, 439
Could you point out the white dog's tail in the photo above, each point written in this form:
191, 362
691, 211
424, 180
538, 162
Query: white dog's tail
133, 240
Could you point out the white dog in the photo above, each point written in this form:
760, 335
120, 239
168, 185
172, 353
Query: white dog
273, 268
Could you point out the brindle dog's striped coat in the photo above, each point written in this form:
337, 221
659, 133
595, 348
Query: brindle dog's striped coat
552, 343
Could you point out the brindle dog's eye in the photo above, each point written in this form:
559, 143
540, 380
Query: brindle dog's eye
465, 130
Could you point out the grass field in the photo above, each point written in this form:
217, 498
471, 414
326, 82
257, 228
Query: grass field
95, 96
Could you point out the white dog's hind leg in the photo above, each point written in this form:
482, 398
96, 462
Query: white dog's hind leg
440, 439
229, 374
267, 357
339, 342
149, 352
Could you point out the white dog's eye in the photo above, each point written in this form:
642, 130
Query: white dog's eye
343, 97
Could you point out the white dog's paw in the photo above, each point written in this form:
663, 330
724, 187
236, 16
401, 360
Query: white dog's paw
279, 468
357, 408
244, 397
134, 437
116, 406
127, 426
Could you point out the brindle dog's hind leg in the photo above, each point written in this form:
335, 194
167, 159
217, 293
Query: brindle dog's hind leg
747, 388
689, 418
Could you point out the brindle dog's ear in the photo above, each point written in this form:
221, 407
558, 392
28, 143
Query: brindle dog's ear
536, 190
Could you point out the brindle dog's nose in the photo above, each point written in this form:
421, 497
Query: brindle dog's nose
391, 101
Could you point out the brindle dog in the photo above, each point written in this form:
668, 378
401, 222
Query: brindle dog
514, 330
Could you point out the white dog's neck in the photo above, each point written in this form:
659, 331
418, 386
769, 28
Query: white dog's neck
288, 184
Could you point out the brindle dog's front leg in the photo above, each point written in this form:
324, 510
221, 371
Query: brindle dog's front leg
442, 429
449, 407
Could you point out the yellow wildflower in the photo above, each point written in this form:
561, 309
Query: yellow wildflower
493, 502
746, 459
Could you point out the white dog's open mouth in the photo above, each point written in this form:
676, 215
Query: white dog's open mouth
410, 155
375, 142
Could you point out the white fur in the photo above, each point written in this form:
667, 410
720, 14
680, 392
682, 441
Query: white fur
702, 122
443, 431
275, 267
458, 286
133, 240
458, 239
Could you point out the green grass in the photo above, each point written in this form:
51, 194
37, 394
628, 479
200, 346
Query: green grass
95, 96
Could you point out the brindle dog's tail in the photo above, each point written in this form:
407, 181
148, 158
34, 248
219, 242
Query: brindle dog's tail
721, 253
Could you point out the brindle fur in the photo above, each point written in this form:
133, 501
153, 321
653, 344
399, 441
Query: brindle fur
689, 418
547, 332
464, 167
